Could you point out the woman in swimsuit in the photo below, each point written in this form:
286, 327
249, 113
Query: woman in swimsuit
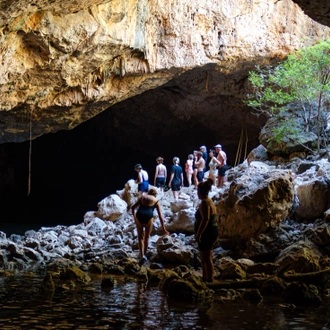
213, 167
189, 168
144, 218
206, 228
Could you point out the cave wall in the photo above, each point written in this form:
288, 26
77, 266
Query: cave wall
65, 62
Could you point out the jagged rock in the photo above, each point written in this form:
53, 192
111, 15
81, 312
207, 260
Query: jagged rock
288, 143
301, 257
183, 221
268, 268
130, 192
319, 234
174, 251
314, 198
257, 154
253, 202
230, 270
115, 52
326, 215
181, 204
111, 208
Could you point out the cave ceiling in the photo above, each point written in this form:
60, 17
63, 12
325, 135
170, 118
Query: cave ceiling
160, 69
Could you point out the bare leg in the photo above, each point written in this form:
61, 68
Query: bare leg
141, 235
147, 233
195, 178
207, 265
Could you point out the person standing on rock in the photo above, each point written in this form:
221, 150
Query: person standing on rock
221, 160
203, 150
200, 163
176, 178
160, 174
144, 217
189, 168
142, 180
206, 229
213, 168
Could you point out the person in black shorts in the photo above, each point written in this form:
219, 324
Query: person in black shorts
176, 178
206, 228
144, 217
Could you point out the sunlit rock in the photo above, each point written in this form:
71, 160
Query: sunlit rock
183, 221
254, 201
111, 208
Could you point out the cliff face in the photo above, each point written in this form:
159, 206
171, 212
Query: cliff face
63, 62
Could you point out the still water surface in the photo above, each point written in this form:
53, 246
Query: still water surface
132, 305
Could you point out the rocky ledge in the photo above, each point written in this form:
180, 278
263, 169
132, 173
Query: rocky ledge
274, 238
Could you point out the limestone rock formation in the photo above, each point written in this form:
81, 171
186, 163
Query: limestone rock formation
64, 62
253, 202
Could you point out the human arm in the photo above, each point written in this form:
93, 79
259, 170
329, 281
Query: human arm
135, 205
181, 179
139, 179
156, 174
171, 178
205, 211
159, 211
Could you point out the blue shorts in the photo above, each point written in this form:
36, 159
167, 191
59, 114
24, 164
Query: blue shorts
222, 170
160, 182
144, 186
200, 176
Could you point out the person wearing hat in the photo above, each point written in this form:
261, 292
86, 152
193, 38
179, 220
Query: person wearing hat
142, 180
221, 161
144, 217
160, 174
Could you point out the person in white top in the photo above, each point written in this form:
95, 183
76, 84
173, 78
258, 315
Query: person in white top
160, 174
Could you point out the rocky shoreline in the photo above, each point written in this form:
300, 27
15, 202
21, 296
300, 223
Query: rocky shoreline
274, 239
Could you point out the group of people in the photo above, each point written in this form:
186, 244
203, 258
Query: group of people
195, 166
206, 223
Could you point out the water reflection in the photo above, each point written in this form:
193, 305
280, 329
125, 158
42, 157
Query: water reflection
132, 305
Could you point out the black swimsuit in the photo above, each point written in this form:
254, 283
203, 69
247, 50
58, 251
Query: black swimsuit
145, 213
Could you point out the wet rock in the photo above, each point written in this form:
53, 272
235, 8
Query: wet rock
96, 268
273, 285
252, 295
299, 294
48, 284
75, 274
191, 289
229, 269
174, 250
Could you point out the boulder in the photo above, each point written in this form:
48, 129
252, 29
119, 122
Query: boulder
253, 202
111, 208
301, 257
183, 221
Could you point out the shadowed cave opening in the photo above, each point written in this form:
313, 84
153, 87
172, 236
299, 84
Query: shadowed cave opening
73, 170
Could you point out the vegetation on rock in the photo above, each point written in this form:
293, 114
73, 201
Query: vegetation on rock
302, 79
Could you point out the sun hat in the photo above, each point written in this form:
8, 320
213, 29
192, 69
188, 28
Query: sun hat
218, 146
137, 166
